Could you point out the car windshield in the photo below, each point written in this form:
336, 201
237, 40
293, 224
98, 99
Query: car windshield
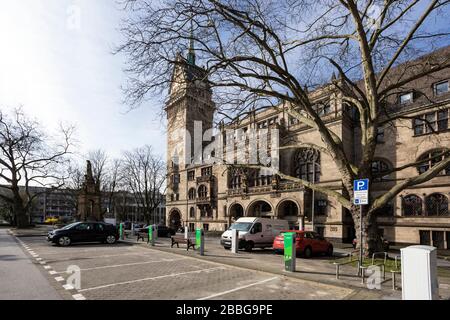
241, 226
70, 226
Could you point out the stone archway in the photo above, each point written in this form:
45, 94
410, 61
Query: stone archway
175, 219
289, 210
236, 212
260, 208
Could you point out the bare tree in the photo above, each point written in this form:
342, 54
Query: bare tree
99, 161
111, 183
28, 156
145, 174
259, 54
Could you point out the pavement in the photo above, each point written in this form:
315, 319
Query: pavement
138, 271
20, 277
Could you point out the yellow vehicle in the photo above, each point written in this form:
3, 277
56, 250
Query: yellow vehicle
51, 220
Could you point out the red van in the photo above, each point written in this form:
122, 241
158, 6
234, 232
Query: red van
306, 242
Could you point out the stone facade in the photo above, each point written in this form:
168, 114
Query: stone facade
212, 196
89, 199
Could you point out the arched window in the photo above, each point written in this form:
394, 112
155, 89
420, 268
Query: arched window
192, 213
202, 192
379, 170
307, 164
431, 159
191, 194
412, 205
436, 204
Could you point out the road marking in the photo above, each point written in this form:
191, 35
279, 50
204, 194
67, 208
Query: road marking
59, 279
151, 278
52, 272
38, 259
68, 287
237, 289
47, 267
42, 262
128, 264
78, 296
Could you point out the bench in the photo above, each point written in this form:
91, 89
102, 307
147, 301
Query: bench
180, 239
143, 236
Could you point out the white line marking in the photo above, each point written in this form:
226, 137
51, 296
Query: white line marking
151, 278
128, 264
47, 267
42, 262
52, 272
237, 289
78, 296
68, 287
38, 259
59, 279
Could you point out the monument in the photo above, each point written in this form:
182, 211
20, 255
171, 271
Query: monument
89, 199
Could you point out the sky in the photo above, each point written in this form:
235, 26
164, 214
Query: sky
56, 61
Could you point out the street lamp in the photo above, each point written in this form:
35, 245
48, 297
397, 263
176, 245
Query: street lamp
313, 194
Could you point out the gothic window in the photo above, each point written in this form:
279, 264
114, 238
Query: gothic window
412, 205
431, 159
436, 204
380, 134
307, 164
206, 171
202, 192
435, 121
191, 194
379, 167
192, 213
191, 175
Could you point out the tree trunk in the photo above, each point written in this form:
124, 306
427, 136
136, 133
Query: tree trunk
22, 220
371, 241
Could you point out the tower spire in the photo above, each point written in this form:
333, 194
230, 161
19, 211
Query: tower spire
191, 53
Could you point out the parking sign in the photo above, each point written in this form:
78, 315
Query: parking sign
361, 191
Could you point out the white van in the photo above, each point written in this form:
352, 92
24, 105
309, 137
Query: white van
254, 232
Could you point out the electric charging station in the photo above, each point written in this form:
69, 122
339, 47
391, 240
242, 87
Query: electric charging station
151, 236
290, 253
121, 231
234, 241
200, 241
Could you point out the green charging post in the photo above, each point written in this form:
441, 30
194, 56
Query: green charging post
151, 238
200, 241
121, 231
289, 251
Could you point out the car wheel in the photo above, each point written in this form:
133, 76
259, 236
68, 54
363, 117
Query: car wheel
64, 241
330, 251
248, 246
110, 239
307, 252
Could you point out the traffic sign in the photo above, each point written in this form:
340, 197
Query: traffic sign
361, 192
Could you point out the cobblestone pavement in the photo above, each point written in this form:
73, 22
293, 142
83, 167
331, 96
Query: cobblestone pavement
130, 271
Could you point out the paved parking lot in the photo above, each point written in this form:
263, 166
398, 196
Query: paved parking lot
129, 271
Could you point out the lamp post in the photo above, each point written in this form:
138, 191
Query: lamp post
313, 195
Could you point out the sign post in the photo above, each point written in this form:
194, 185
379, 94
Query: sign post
234, 241
200, 241
289, 251
360, 198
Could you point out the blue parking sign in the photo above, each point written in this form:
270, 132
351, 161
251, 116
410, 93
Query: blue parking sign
361, 192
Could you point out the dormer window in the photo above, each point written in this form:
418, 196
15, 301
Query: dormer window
441, 88
406, 98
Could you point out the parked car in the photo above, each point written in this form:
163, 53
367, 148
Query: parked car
84, 232
51, 220
163, 231
307, 243
386, 244
254, 232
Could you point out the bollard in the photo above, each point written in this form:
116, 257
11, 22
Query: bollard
234, 241
200, 241
121, 231
289, 251
186, 233
151, 238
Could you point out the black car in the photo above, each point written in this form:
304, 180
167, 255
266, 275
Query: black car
163, 231
84, 232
